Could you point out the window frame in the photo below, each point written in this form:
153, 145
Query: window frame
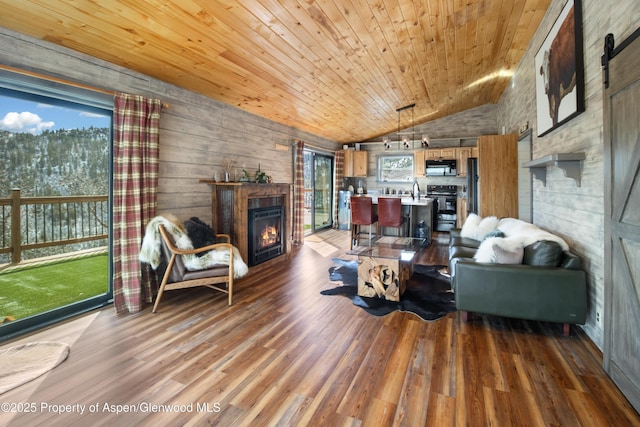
380, 170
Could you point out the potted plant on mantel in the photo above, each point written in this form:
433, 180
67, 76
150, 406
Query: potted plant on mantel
260, 177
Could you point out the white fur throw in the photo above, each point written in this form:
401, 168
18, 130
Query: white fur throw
500, 250
470, 225
476, 227
528, 233
151, 252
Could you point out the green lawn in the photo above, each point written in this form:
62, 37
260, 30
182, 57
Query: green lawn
36, 289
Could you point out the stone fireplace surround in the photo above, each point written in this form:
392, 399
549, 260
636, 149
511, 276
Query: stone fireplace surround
230, 202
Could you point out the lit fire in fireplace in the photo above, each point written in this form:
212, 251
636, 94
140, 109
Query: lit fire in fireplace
266, 231
268, 236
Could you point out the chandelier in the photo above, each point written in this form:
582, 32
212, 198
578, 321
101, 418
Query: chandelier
406, 142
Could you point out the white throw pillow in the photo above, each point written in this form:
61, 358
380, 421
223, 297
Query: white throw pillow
500, 250
504, 256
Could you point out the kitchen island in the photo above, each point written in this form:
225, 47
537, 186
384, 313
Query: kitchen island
414, 211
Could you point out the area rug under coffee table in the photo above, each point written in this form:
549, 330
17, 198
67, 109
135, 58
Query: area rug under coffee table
428, 293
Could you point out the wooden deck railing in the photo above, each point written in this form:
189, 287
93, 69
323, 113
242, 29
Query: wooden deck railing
39, 222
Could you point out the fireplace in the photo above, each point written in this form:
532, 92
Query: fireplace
230, 205
266, 229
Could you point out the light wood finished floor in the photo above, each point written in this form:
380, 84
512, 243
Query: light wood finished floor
285, 355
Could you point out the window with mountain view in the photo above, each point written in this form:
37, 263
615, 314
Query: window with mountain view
395, 168
54, 208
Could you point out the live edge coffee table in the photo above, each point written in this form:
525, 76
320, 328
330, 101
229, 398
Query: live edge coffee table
384, 270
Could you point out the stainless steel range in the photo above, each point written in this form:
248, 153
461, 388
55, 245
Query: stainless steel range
445, 205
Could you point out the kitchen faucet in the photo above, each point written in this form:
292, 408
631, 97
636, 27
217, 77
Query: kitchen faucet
415, 191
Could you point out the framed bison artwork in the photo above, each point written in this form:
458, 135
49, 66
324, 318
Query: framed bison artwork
559, 70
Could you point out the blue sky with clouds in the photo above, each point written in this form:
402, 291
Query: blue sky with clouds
17, 115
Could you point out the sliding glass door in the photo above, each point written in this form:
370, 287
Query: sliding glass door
54, 206
318, 185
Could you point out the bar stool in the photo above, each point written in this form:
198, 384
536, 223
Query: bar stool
361, 214
390, 214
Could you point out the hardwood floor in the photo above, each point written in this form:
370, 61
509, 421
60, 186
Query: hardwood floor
285, 355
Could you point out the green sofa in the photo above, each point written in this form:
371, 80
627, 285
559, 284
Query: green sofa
547, 285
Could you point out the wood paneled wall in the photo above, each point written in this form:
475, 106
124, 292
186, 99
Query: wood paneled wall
196, 133
575, 213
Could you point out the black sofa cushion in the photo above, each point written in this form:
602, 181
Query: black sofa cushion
543, 253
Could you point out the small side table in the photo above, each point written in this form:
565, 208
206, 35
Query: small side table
384, 271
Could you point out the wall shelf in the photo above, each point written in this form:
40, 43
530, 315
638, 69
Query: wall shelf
570, 163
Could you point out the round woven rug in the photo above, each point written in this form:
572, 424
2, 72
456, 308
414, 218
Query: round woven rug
22, 363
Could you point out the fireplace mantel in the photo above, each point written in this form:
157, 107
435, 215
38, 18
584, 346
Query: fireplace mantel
230, 212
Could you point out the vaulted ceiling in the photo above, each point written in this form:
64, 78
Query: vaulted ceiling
339, 69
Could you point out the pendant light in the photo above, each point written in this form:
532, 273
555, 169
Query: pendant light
405, 140
425, 141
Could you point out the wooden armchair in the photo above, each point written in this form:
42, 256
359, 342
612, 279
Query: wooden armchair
178, 277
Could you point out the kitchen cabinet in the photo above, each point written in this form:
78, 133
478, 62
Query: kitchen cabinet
355, 163
462, 154
441, 154
498, 175
461, 211
419, 167
432, 154
448, 153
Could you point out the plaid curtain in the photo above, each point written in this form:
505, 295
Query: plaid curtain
339, 160
135, 182
298, 194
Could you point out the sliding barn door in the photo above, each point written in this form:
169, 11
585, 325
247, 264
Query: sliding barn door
622, 220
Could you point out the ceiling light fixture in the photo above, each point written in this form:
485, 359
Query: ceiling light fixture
405, 140
413, 127
425, 141
387, 144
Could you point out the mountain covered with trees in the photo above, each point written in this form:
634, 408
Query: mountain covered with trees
55, 163
62, 162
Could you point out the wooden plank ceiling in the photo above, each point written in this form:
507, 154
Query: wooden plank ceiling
336, 68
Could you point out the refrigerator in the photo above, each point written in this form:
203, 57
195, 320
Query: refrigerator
344, 210
472, 185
